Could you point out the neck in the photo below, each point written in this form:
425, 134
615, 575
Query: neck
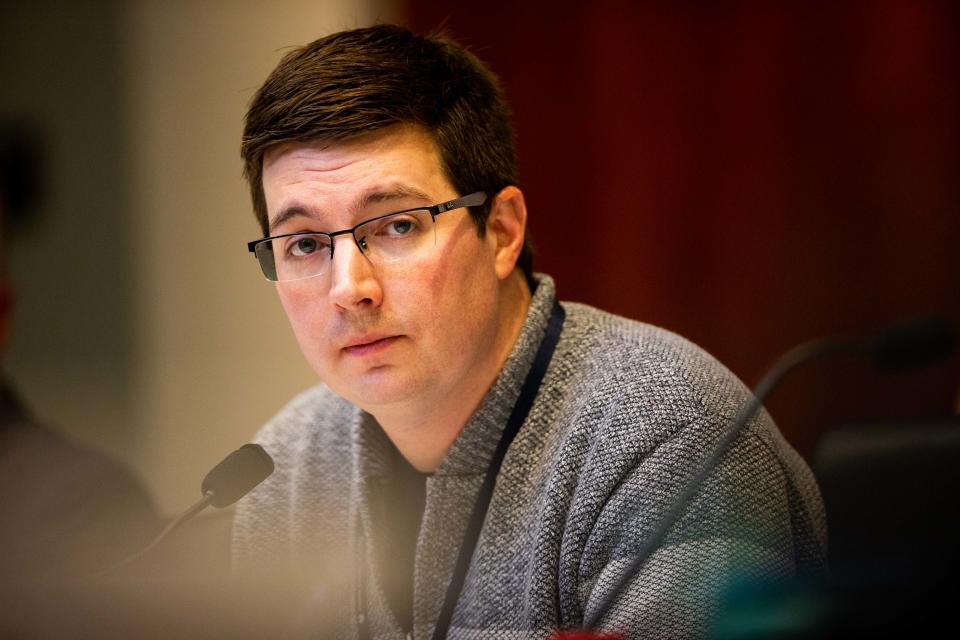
423, 432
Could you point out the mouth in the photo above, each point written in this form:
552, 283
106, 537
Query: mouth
369, 345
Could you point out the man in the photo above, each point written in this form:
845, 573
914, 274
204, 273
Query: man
382, 170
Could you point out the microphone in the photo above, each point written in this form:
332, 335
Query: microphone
234, 477
237, 475
912, 344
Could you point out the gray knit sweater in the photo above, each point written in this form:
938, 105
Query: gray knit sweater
624, 416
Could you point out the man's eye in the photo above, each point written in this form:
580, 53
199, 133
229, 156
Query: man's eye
303, 246
399, 227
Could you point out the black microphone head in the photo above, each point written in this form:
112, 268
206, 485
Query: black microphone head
237, 474
912, 344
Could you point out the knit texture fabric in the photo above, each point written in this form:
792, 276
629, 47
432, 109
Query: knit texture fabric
625, 415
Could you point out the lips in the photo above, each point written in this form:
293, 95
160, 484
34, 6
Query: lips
368, 345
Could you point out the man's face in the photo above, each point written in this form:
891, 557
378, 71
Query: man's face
418, 331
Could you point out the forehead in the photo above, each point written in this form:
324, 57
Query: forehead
403, 154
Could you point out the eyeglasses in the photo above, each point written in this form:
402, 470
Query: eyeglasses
392, 237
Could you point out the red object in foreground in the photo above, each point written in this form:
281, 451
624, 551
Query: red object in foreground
582, 634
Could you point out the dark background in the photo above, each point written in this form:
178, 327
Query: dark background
749, 175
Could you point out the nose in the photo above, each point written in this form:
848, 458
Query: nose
353, 281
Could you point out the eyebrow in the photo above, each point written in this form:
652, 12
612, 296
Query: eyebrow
374, 195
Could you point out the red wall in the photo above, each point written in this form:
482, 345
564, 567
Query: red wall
749, 175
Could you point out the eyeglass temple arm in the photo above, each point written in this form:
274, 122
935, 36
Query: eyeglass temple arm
472, 200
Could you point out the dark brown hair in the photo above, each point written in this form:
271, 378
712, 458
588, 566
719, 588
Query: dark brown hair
363, 80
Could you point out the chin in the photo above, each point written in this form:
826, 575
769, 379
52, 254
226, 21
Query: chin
379, 387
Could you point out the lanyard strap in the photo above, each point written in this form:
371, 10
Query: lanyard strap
528, 394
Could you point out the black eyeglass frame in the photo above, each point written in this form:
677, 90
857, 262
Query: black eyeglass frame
474, 199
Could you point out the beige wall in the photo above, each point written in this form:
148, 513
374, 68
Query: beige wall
208, 355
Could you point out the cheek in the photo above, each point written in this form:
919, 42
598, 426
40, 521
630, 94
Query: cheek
462, 288
302, 309
414, 293
473, 262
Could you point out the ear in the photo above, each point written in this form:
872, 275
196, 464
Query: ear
506, 227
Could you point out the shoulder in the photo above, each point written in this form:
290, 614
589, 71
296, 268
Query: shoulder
639, 397
635, 411
633, 388
652, 373
316, 418
310, 441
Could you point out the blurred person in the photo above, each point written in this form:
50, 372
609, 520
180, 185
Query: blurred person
67, 511
383, 175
